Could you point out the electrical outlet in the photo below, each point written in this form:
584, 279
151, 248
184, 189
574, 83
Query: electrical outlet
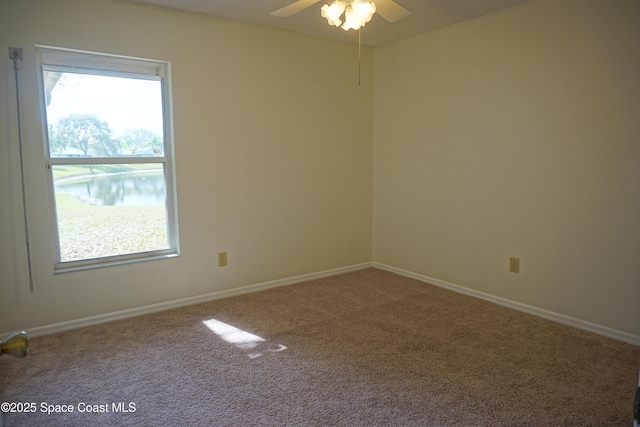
222, 259
514, 265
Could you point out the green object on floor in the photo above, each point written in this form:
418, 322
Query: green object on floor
15, 346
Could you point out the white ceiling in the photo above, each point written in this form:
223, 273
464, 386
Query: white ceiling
425, 15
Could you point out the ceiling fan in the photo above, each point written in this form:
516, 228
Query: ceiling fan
356, 12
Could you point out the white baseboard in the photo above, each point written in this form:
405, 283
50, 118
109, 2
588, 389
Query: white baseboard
102, 318
539, 312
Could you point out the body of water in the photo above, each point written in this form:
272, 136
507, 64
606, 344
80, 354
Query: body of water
130, 189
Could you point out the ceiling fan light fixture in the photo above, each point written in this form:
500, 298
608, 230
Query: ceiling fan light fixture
358, 13
333, 11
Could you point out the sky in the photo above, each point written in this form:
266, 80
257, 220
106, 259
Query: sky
124, 103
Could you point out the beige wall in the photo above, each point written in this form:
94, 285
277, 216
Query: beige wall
260, 174
517, 134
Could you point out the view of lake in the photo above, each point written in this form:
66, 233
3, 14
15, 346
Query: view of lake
130, 189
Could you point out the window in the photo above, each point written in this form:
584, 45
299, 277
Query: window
109, 149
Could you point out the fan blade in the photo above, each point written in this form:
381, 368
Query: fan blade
390, 10
293, 8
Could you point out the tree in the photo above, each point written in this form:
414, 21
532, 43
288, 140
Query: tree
86, 133
56, 144
141, 140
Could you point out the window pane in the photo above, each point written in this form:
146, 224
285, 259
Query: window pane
110, 157
110, 209
103, 116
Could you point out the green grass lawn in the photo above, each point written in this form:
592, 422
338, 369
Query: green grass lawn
90, 231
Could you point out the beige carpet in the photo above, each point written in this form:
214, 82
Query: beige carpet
368, 348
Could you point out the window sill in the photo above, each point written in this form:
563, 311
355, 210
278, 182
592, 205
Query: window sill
72, 266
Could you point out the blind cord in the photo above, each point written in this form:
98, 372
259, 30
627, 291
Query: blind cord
16, 55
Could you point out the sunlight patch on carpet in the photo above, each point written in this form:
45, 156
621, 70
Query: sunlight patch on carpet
241, 339
233, 335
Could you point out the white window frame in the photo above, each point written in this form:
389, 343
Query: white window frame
69, 60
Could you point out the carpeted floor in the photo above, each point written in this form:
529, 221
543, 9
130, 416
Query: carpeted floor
368, 348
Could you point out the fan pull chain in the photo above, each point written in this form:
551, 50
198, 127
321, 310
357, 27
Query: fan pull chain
359, 30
